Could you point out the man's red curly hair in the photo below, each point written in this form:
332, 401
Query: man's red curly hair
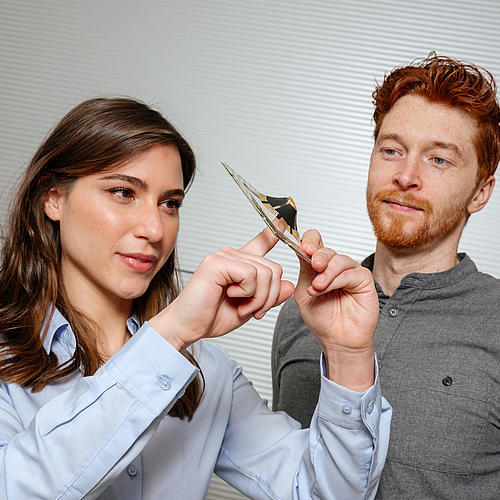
455, 83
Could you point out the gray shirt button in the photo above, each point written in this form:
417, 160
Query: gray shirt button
132, 470
393, 312
447, 381
370, 407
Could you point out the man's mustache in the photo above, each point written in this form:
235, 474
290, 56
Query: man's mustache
409, 199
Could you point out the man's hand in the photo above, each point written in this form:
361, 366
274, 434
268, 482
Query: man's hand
226, 290
338, 302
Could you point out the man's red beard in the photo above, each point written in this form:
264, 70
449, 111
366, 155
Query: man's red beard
400, 230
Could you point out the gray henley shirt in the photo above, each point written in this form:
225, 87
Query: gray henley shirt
438, 346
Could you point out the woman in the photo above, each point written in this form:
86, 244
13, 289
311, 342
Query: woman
105, 390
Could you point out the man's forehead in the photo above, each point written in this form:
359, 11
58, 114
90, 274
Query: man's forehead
414, 118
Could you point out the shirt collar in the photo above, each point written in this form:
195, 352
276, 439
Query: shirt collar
462, 269
59, 330
58, 323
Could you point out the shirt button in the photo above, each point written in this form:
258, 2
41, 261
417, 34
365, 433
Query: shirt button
370, 407
393, 312
347, 408
164, 382
132, 471
447, 381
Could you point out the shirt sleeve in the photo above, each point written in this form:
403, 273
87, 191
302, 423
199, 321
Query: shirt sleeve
83, 438
266, 456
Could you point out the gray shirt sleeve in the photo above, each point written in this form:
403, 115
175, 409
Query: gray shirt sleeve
295, 367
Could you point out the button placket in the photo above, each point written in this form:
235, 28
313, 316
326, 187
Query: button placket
370, 407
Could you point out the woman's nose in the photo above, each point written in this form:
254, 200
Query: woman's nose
149, 224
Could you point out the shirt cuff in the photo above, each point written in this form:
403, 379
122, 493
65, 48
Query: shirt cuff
153, 371
348, 408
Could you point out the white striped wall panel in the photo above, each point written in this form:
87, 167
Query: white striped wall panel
279, 90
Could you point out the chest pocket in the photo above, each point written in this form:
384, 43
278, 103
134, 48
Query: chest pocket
440, 412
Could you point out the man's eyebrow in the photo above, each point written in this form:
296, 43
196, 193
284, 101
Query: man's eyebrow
448, 145
136, 181
394, 137
437, 144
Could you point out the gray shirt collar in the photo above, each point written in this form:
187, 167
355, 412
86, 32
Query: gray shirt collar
464, 268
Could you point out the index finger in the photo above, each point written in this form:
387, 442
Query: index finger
260, 244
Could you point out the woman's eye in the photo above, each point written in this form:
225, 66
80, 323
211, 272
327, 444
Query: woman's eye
172, 205
121, 192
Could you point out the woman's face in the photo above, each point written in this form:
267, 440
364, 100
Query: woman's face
119, 226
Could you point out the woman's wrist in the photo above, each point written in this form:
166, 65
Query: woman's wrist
168, 332
351, 368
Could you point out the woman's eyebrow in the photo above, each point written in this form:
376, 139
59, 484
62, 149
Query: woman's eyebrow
135, 181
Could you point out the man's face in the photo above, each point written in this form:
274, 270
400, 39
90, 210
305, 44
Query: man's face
423, 172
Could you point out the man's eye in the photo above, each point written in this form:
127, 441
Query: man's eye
389, 152
439, 161
122, 192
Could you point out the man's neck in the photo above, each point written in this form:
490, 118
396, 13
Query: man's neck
392, 264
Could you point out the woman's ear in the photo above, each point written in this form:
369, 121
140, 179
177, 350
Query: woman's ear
53, 203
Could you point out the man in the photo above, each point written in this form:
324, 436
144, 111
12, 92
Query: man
437, 146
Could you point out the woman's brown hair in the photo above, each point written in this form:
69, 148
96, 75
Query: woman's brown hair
96, 135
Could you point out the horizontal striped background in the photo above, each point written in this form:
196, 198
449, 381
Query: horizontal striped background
280, 90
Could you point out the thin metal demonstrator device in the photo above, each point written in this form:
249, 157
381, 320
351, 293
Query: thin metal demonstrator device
278, 212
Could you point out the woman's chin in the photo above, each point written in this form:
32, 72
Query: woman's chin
130, 292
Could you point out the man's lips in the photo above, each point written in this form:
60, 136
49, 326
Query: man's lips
402, 205
138, 261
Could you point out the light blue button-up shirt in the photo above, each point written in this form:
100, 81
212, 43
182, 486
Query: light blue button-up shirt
108, 436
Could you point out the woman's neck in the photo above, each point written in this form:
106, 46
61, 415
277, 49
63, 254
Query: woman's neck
110, 313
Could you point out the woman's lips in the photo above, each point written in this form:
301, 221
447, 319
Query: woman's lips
138, 262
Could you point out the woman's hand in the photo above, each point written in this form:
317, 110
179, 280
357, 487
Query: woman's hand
338, 302
228, 288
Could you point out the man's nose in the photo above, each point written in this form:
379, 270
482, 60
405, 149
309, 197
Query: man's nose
408, 174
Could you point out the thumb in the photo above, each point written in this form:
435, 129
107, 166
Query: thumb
311, 242
286, 291
306, 275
